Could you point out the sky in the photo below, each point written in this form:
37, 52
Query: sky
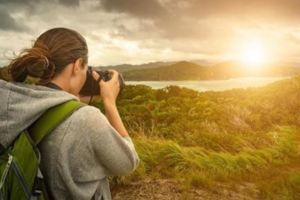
142, 31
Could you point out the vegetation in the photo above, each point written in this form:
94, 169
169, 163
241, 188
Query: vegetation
211, 138
232, 137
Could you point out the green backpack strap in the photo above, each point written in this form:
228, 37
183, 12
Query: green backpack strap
51, 119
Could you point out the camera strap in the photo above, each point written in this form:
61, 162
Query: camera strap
53, 86
91, 98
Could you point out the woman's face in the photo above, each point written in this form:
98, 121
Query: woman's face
82, 77
78, 77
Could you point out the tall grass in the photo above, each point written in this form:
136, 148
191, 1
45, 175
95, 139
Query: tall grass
203, 139
200, 167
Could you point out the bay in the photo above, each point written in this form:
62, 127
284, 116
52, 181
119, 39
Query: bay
212, 85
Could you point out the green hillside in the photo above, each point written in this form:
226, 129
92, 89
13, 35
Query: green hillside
235, 144
216, 139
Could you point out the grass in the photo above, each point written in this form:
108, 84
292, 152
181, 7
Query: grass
204, 139
199, 167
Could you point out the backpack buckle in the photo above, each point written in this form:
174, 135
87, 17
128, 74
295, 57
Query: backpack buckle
38, 184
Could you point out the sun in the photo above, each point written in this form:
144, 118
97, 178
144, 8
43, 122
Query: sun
253, 54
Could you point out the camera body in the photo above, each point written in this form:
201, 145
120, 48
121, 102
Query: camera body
91, 86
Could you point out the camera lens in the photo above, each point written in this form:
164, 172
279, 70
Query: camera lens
91, 86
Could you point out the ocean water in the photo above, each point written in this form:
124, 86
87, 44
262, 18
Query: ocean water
212, 85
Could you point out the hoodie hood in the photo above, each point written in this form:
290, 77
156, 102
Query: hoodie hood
22, 104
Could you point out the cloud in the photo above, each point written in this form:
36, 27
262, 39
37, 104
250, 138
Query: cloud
138, 8
204, 8
7, 22
183, 15
17, 1
28, 4
69, 2
166, 28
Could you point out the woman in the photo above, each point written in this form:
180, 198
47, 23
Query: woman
87, 147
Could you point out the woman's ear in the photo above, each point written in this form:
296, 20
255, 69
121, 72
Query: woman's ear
77, 67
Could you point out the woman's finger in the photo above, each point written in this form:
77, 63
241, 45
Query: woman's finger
95, 75
114, 73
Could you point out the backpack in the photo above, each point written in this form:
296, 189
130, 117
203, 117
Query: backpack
21, 178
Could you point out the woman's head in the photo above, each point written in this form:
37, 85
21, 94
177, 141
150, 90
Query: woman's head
56, 52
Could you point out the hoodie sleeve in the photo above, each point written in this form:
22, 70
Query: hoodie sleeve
116, 153
98, 150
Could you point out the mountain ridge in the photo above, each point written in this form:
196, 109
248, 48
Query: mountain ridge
186, 70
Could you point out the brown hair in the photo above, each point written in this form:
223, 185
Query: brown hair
50, 54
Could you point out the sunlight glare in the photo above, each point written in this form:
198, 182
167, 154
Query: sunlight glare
253, 55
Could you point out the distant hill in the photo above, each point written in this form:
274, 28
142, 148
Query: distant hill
204, 62
190, 71
179, 71
186, 70
128, 67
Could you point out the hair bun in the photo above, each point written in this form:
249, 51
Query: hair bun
46, 62
34, 62
39, 64
52, 51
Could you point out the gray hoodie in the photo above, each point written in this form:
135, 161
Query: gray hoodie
79, 154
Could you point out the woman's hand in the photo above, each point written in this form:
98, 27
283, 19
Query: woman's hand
109, 90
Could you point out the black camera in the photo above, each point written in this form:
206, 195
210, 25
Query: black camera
91, 86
